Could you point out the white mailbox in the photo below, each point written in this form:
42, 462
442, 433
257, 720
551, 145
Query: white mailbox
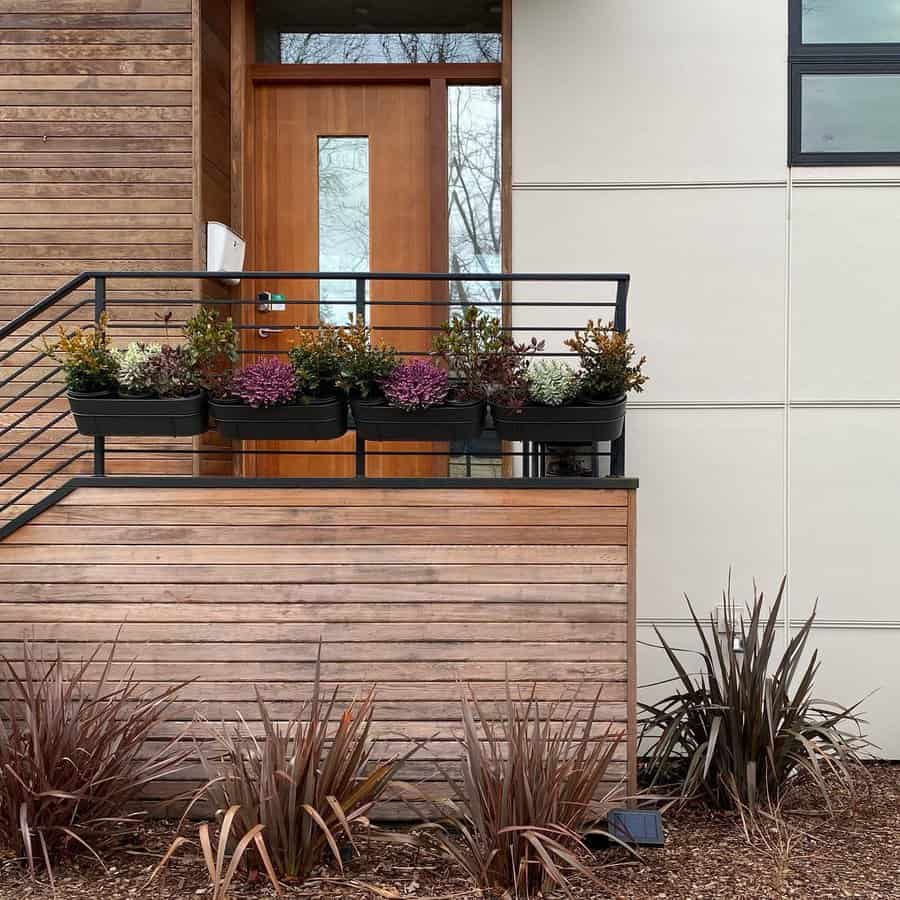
224, 250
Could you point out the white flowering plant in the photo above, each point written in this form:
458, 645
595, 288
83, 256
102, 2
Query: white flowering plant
552, 382
134, 372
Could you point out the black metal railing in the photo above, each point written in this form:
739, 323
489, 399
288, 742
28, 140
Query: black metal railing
29, 386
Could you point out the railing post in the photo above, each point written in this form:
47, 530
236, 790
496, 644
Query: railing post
360, 317
620, 323
99, 310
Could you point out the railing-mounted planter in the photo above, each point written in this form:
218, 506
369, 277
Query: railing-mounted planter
584, 421
314, 419
106, 415
454, 421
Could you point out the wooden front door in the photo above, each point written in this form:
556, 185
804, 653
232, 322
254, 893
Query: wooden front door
295, 124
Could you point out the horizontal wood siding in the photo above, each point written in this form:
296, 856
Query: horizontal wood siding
96, 172
412, 590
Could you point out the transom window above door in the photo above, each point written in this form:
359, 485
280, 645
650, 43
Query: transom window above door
377, 31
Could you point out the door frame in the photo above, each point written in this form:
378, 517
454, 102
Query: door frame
247, 74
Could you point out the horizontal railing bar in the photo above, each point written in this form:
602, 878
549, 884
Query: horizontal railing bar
24, 368
514, 304
32, 436
41, 305
46, 477
24, 468
368, 276
473, 453
260, 352
162, 326
28, 390
47, 325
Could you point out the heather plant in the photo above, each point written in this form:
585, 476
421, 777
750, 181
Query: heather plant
741, 731
316, 359
213, 349
533, 781
86, 357
74, 752
170, 374
552, 382
609, 365
268, 382
134, 371
418, 384
484, 360
364, 364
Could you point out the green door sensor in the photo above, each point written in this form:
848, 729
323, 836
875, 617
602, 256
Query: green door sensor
268, 302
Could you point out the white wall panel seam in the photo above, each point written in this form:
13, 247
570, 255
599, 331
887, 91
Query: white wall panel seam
786, 524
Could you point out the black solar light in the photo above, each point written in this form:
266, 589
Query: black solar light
637, 826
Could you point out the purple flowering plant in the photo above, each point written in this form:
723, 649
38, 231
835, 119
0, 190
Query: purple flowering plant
268, 382
169, 373
418, 384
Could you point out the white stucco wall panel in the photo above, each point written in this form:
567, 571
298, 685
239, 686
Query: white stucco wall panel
845, 312
711, 496
855, 663
845, 514
618, 90
706, 303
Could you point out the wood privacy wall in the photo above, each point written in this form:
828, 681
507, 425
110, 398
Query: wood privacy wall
107, 163
412, 589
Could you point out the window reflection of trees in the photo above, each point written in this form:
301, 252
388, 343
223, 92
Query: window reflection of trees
343, 219
318, 48
474, 192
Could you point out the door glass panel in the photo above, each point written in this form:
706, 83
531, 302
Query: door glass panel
474, 202
850, 113
851, 21
343, 221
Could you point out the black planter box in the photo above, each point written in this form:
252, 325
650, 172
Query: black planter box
103, 415
376, 421
580, 422
319, 419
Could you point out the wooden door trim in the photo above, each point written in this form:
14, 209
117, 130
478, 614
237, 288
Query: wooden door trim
337, 73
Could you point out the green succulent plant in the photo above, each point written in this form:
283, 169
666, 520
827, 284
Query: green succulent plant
552, 382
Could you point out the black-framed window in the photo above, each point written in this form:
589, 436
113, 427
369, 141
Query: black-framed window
844, 82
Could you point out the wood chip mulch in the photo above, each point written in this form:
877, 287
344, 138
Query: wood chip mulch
707, 856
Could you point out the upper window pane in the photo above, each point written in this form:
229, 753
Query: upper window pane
851, 21
850, 114
379, 31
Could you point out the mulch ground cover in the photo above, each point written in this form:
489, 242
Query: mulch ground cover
707, 855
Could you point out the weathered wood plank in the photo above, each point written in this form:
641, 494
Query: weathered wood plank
519, 591
336, 517
73, 52
308, 574
268, 672
285, 535
374, 496
260, 631
315, 554
378, 610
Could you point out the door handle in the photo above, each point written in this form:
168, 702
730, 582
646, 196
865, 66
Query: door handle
265, 332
